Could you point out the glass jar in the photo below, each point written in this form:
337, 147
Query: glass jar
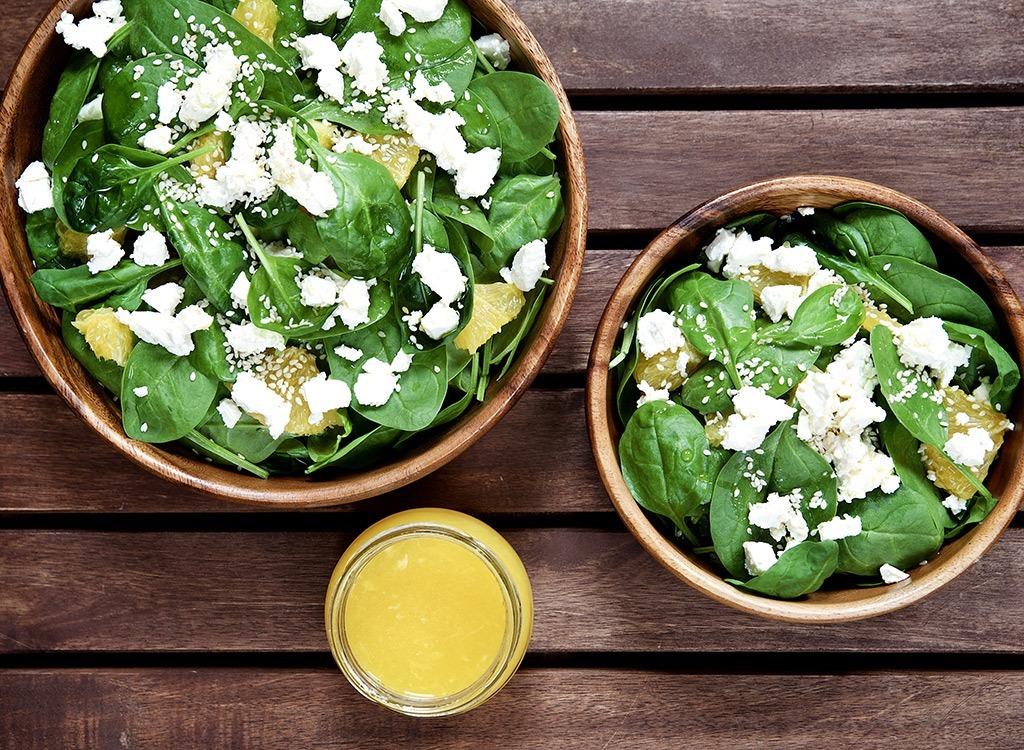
429, 612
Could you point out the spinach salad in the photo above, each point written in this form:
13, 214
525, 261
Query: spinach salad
293, 235
813, 398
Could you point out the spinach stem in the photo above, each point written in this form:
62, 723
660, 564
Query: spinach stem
421, 184
249, 236
203, 443
548, 153
483, 61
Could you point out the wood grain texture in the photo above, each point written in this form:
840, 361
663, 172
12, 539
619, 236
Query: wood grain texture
58, 465
595, 591
315, 708
738, 46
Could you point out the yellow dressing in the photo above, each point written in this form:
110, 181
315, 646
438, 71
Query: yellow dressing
426, 617
429, 612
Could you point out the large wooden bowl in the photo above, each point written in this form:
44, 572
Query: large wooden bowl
958, 255
23, 114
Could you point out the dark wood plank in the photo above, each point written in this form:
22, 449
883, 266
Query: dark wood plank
646, 169
592, 708
58, 465
595, 591
696, 47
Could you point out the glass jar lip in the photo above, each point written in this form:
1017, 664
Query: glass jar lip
490, 682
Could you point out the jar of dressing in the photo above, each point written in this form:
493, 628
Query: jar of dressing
429, 612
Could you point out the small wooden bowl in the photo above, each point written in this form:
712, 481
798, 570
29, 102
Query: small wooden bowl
24, 113
958, 255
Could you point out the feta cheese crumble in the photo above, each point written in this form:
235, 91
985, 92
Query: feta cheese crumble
312, 189
840, 528
94, 32
496, 50
91, 110
781, 516
440, 273
229, 412
103, 250
758, 557
439, 321
969, 448
362, 57
247, 339
164, 298
393, 12
319, 11
756, 413
528, 266
891, 574
35, 189
955, 505
649, 393
657, 332
255, 397
323, 394
924, 343
172, 332
210, 91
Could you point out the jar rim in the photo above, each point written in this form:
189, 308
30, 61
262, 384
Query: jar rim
416, 705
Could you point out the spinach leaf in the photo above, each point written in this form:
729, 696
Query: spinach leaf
829, 316
204, 242
367, 234
73, 288
248, 438
706, 391
911, 396
479, 130
756, 225
73, 89
774, 367
800, 570
523, 209
83, 141
797, 466
107, 189
934, 294
523, 110
664, 457
206, 447
445, 202
715, 316
130, 107
888, 232
158, 26
210, 356
178, 396
857, 273
43, 242
361, 451
989, 360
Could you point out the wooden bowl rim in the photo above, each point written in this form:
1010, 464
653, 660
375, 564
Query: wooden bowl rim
954, 558
297, 492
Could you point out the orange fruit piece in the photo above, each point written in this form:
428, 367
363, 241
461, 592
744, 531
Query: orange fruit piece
660, 370
208, 164
107, 336
494, 306
259, 16
978, 414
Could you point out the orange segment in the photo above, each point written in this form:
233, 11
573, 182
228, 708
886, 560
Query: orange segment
208, 164
661, 370
977, 414
107, 336
494, 305
259, 16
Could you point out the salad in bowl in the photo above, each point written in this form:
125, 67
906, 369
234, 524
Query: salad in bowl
293, 236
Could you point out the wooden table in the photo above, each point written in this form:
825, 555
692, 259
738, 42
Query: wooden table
136, 615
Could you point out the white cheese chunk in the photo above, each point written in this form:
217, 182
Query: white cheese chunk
35, 189
348, 353
91, 110
318, 291
528, 266
103, 250
240, 291
840, 528
362, 57
229, 412
150, 249
657, 332
440, 273
94, 32
496, 49
210, 91
354, 303
969, 448
955, 505
168, 100
159, 140
255, 397
164, 298
779, 300
924, 343
758, 557
439, 321
324, 394
891, 574
422, 89
756, 413
319, 11
376, 384
781, 516
247, 339
172, 332
312, 189
649, 393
